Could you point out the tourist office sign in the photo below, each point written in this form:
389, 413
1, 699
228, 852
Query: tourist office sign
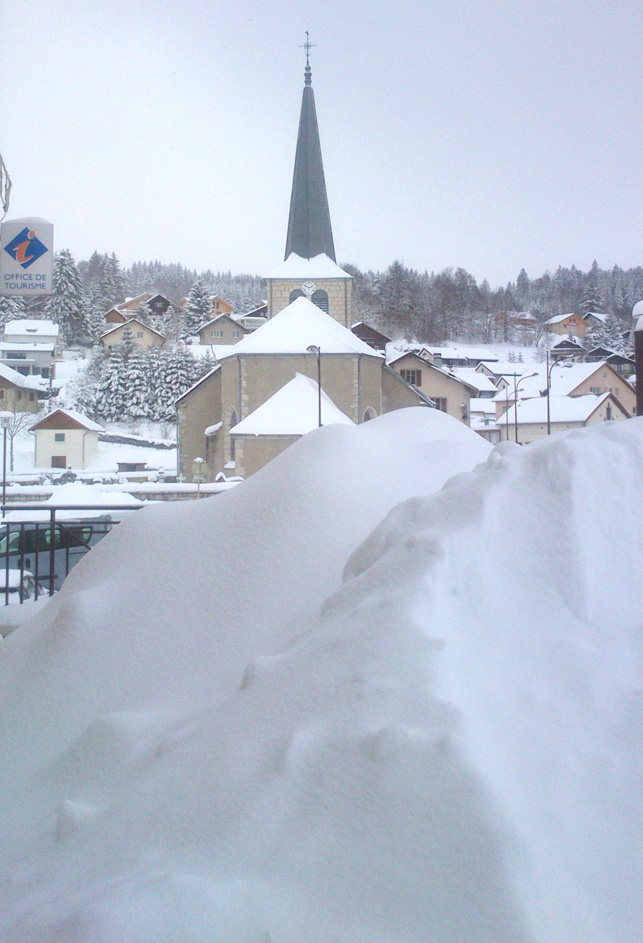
26, 257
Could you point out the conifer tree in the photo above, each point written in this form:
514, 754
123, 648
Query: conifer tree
11, 309
67, 304
198, 308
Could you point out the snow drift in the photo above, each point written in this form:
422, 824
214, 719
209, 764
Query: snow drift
207, 737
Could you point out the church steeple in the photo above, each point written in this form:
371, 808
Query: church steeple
309, 228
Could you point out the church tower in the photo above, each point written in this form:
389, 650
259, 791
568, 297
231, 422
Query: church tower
310, 267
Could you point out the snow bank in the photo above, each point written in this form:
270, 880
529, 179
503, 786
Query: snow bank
198, 747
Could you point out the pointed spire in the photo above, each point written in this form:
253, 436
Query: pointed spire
309, 228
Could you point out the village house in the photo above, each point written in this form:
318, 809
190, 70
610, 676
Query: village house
449, 393
65, 439
221, 330
19, 393
143, 336
370, 336
571, 323
565, 412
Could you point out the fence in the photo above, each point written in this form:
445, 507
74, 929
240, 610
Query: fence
37, 549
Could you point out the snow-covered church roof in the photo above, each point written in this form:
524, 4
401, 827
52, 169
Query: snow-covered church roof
292, 410
296, 328
320, 266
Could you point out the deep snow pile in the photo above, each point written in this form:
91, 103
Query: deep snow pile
220, 742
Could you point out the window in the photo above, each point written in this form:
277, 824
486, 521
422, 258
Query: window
139, 333
414, 377
236, 333
595, 390
59, 437
1, 394
440, 403
19, 394
216, 333
32, 396
320, 298
297, 293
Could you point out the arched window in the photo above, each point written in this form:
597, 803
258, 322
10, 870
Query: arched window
369, 413
297, 293
320, 298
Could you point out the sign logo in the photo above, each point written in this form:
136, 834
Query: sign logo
25, 248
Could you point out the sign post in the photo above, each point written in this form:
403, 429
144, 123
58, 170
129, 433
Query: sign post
26, 257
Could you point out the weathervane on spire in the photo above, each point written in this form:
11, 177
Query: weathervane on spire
307, 46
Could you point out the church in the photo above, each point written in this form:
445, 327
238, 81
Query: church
304, 367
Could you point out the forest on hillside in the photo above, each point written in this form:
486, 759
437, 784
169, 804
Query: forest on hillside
402, 302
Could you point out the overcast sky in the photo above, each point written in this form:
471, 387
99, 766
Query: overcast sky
488, 135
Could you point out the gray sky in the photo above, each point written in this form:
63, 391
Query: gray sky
487, 135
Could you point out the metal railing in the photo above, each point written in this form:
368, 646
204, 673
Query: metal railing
37, 555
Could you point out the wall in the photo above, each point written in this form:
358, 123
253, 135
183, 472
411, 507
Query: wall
339, 291
200, 410
79, 447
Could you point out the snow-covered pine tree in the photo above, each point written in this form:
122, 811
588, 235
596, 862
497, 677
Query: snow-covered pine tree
11, 309
198, 307
112, 283
67, 304
137, 405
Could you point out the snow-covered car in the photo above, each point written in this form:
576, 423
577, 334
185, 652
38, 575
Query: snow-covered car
18, 586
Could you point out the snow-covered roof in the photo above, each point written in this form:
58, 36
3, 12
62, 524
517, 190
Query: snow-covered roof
557, 318
504, 368
225, 315
32, 328
461, 352
565, 378
561, 408
637, 311
128, 323
320, 266
80, 418
292, 410
32, 346
298, 326
478, 380
484, 405
18, 379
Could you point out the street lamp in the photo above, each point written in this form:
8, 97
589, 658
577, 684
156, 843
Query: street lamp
548, 391
314, 349
6, 418
516, 388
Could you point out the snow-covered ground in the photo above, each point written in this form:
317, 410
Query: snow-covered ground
291, 723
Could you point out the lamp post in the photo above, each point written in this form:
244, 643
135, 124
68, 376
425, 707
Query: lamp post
314, 349
5, 423
197, 473
548, 391
516, 388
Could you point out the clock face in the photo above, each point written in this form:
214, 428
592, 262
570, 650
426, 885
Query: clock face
309, 289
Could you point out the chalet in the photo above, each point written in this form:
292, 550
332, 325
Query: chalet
567, 324
567, 348
221, 330
144, 337
624, 366
65, 439
254, 319
370, 336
